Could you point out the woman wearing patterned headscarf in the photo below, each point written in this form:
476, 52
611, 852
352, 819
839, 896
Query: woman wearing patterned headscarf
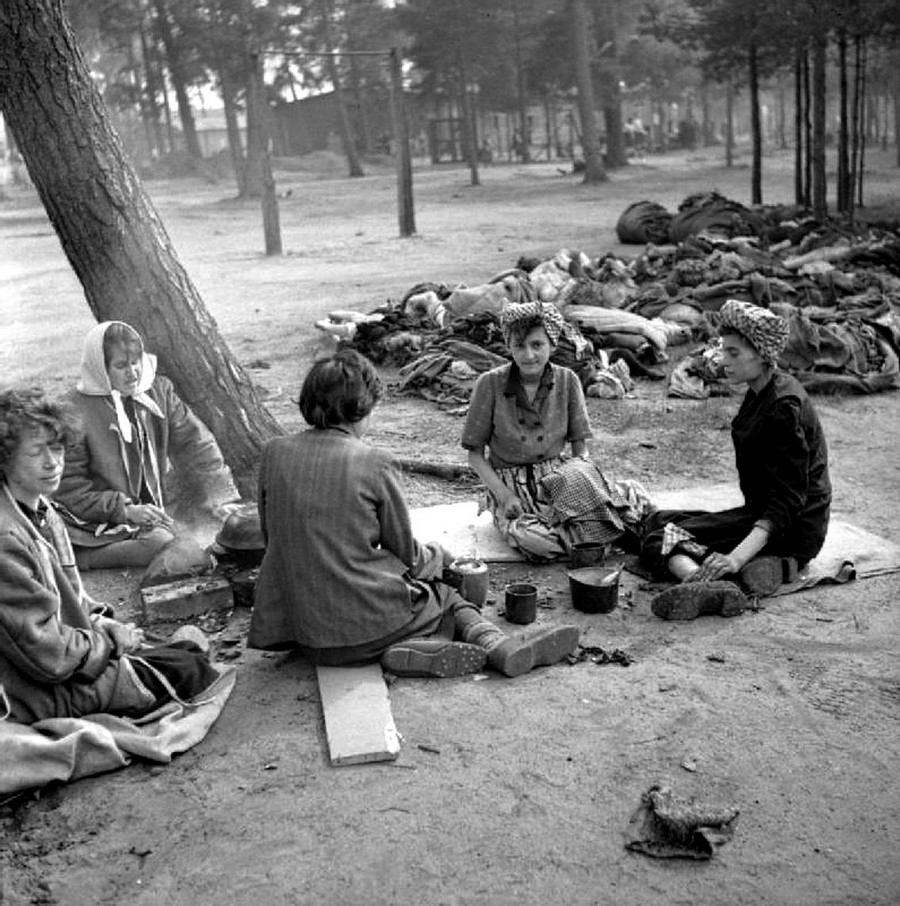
782, 463
522, 417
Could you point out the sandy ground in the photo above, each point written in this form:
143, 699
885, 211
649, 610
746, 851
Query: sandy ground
506, 791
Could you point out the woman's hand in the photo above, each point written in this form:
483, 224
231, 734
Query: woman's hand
714, 567
510, 506
125, 637
145, 515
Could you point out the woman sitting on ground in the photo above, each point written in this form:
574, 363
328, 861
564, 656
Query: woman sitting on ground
526, 414
61, 654
782, 464
113, 494
342, 579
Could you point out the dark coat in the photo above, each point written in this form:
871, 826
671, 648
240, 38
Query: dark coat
103, 473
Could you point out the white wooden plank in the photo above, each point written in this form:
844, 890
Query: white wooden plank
359, 725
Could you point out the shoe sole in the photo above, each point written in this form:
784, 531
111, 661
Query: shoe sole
454, 659
694, 599
542, 651
763, 576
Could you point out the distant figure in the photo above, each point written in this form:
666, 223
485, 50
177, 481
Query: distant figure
636, 137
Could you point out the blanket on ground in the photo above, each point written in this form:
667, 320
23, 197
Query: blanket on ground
849, 551
67, 748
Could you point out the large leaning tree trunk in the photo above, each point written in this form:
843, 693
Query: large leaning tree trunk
109, 229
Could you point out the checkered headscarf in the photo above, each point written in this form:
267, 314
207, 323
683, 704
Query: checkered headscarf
766, 332
547, 313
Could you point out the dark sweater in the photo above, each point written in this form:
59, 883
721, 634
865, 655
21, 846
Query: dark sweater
782, 462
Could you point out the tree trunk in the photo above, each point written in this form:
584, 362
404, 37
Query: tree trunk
799, 134
844, 190
109, 230
405, 209
819, 174
615, 136
235, 143
470, 151
151, 84
259, 162
807, 130
521, 101
366, 139
729, 123
860, 131
756, 196
347, 140
173, 56
594, 170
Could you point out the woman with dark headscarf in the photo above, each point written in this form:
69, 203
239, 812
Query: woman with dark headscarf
114, 493
782, 463
526, 434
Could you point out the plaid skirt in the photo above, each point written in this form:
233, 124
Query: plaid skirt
565, 501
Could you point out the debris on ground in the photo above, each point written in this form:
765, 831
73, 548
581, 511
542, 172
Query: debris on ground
666, 826
598, 655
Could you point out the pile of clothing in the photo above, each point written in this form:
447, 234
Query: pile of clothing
838, 286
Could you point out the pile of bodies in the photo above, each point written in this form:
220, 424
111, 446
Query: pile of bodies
838, 286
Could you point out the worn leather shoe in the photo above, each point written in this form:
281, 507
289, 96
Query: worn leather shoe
549, 645
433, 657
696, 599
764, 575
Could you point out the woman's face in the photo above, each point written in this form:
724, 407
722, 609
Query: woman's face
36, 467
531, 352
124, 371
740, 361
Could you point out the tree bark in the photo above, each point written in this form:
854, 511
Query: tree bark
110, 231
594, 171
260, 179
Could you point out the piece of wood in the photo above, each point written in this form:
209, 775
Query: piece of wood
359, 724
186, 598
450, 471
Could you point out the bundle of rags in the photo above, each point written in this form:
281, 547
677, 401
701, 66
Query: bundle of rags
666, 826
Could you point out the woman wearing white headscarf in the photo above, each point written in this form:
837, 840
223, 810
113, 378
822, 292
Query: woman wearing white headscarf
113, 492
782, 463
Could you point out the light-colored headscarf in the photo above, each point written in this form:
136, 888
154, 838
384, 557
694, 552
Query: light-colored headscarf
547, 313
766, 332
94, 379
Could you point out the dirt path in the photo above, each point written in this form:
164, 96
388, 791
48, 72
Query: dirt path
506, 791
